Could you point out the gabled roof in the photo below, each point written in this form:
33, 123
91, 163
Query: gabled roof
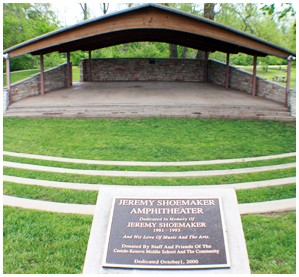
149, 22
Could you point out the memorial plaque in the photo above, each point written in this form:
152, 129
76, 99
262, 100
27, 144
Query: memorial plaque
167, 233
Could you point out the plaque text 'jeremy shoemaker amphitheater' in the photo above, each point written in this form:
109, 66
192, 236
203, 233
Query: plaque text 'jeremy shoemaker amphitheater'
167, 233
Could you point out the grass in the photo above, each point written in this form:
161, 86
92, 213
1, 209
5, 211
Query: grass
43, 242
266, 194
151, 139
90, 197
60, 242
83, 166
76, 74
271, 242
272, 72
76, 178
19, 75
50, 194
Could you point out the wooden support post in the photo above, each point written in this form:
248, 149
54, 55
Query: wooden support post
207, 66
7, 72
69, 70
42, 81
290, 58
254, 76
89, 66
227, 71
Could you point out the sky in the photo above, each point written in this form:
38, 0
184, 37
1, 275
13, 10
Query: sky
70, 13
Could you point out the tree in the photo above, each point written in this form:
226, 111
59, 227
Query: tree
85, 10
104, 7
285, 9
209, 10
209, 13
23, 21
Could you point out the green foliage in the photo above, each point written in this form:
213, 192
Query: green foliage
23, 62
54, 59
23, 21
77, 56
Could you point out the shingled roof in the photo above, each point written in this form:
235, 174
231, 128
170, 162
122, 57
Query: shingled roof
149, 22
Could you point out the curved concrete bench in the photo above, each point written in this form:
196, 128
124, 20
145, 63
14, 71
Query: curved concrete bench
95, 187
250, 208
135, 163
145, 174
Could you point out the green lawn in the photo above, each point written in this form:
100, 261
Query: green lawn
76, 73
271, 73
43, 242
19, 75
60, 241
76, 178
151, 139
271, 242
90, 197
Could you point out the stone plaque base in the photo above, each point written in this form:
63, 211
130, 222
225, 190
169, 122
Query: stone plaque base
209, 237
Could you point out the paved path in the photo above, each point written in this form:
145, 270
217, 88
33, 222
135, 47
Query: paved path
149, 174
135, 163
251, 208
95, 187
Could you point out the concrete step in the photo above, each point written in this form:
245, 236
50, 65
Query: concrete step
130, 106
204, 111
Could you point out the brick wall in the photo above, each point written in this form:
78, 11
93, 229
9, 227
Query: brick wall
54, 78
143, 70
242, 80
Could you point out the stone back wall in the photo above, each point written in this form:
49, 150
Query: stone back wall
242, 80
54, 78
145, 69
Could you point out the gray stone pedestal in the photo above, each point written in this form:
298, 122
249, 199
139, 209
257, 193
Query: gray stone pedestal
100, 231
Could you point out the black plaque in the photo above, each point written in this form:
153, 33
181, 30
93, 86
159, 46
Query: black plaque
167, 233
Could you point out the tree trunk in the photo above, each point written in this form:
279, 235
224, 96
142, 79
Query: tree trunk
184, 52
85, 11
209, 13
173, 51
104, 7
